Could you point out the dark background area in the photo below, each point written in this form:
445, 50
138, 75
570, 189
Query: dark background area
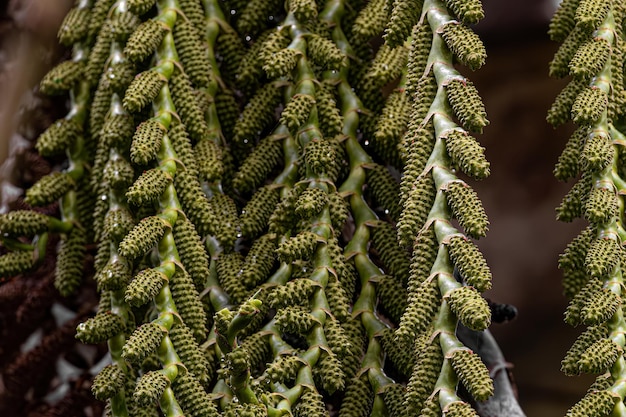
520, 196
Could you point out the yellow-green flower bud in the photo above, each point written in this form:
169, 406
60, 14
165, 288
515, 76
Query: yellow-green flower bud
422, 306
59, 137
563, 21
256, 213
404, 15
189, 304
392, 296
109, 381
23, 223
62, 77
467, 154
140, 7
146, 142
193, 398
598, 403
560, 111
569, 365
144, 287
75, 26
259, 261
600, 307
385, 190
473, 374
281, 63
470, 308
467, 11
98, 54
303, 10
209, 160
258, 165
460, 409
192, 52
601, 206
294, 320
591, 13
49, 189
467, 209
417, 206
310, 404
100, 328
329, 372
600, 356
143, 90
68, 273
13, 263
589, 105
284, 369
597, 153
150, 388
118, 173
143, 342
568, 165
371, 20
470, 263
464, 44
114, 276
590, 59
297, 111
311, 202
603, 255
301, 246
559, 66
467, 105
117, 130
324, 52
423, 377
143, 237
573, 311
149, 187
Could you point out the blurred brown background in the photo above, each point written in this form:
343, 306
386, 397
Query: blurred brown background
524, 241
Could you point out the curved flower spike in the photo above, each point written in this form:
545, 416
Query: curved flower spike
16, 262
58, 137
144, 287
75, 26
100, 328
143, 90
472, 373
143, 237
140, 7
62, 78
146, 142
465, 44
49, 189
143, 342
150, 388
109, 381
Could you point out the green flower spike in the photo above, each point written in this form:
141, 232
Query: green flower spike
116, 275
570, 365
467, 11
16, 262
150, 388
467, 105
143, 237
62, 78
144, 287
117, 223
467, 153
467, 208
142, 342
58, 137
470, 262
465, 44
143, 90
301, 246
68, 273
148, 187
49, 189
75, 26
472, 373
600, 357
559, 112
563, 20
596, 403
145, 40
146, 142
100, 328
470, 308
256, 213
108, 383
140, 7
24, 223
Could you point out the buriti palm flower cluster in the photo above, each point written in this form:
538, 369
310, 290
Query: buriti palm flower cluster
232, 163
592, 55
